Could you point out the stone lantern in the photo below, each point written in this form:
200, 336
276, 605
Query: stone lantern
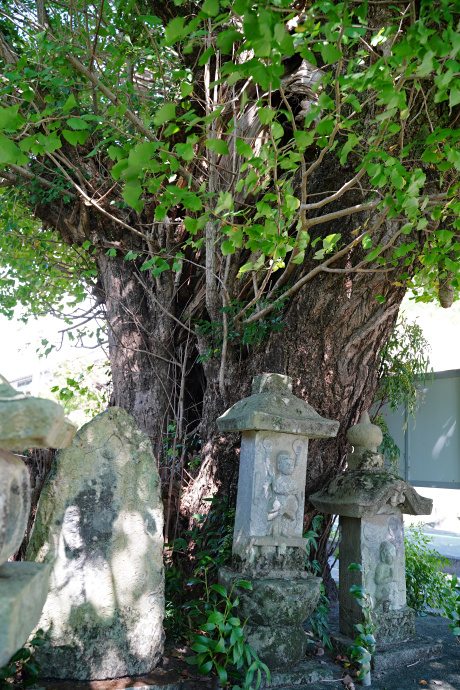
268, 547
371, 502
25, 422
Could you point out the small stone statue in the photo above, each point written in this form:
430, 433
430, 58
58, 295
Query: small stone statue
284, 504
385, 595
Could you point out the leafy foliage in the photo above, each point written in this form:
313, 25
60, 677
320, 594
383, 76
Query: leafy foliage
220, 646
425, 579
451, 605
82, 388
210, 543
22, 670
364, 646
319, 619
123, 117
404, 365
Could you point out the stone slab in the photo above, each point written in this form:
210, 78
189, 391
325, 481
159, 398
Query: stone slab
23, 591
305, 673
28, 422
100, 523
388, 657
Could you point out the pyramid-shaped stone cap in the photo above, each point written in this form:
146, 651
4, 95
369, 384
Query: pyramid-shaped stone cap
273, 407
28, 422
366, 494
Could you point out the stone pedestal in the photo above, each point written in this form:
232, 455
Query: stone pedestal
376, 543
25, 422
268, 547
371, 503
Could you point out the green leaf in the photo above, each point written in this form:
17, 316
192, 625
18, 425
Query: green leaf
330, 54
175, 30
166, 112
304, 139
205, 668
227, 248
226, 39
209, 52
210, 8
185, 89
266, 115
222, 675
75, 138
218, 145
454, 98
428, 64
243, 583
244, 149
219, 589
11, 119
9, 152
199, 647
69, 104
324, 101
77, 123
131, 193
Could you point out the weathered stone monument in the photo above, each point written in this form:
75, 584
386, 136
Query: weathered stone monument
268, 548
371, 502
25, 422
100, 524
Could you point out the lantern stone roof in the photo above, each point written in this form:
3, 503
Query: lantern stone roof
29, 422
273, 407
364, 494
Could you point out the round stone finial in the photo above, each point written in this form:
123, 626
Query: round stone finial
365, 436
272, 383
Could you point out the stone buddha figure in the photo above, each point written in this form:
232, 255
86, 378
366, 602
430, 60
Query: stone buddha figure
284, 504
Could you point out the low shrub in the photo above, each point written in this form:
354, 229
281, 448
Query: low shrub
425, 579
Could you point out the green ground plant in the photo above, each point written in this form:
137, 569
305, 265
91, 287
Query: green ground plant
319, 619
364, 646
219, 643
452, 605
22, 670
210, 544
425, 576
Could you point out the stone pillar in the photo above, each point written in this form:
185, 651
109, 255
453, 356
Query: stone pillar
268, 547
371, 503
25, 422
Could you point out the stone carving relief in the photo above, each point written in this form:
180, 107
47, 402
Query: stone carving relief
385, 591
285, 502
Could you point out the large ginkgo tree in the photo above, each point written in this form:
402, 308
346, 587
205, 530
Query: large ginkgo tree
240, 186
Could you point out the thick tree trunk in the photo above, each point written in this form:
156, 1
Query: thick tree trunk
141, 344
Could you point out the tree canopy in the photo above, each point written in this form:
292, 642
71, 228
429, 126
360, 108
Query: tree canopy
113, 87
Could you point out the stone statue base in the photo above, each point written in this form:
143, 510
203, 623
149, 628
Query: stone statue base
390, 656
275, 610
395, 626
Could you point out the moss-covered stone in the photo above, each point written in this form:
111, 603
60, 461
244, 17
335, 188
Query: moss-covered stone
100, 524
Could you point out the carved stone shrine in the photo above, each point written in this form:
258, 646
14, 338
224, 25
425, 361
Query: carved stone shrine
371, 502
25, 422
268, 548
